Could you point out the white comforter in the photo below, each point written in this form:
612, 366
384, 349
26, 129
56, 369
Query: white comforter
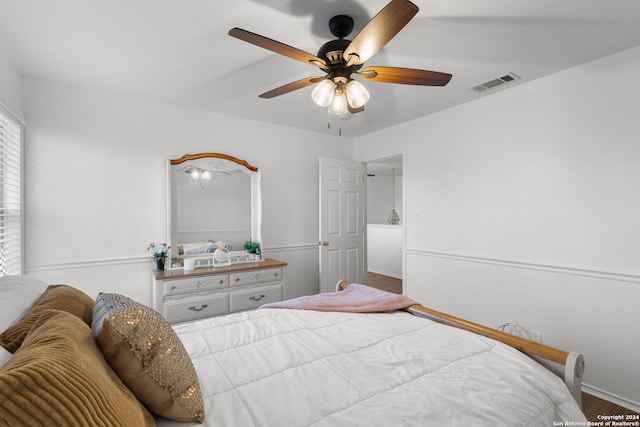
281, 368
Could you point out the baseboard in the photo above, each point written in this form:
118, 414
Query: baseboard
385, 273
609, 397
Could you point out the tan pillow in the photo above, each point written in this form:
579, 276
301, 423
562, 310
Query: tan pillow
59, 377
148, 356
58, 297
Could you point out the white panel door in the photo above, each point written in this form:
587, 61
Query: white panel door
341, 222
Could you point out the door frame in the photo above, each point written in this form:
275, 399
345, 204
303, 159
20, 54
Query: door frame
403, 217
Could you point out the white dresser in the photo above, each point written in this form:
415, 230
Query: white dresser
207, 291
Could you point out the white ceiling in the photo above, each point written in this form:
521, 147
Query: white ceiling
179, 52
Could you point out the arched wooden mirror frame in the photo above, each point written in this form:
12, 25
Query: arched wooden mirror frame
225, 163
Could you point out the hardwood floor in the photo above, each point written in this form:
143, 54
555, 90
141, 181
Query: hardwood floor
385, 283
591, 405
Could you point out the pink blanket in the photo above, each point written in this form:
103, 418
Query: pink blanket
354, 299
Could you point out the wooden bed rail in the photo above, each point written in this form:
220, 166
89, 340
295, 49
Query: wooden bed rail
567, 365
522, 344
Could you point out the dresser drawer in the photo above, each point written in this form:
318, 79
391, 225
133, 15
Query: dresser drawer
254, 298
191, 284
183, 310
256, 276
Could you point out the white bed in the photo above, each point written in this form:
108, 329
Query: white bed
269, 367
282, 367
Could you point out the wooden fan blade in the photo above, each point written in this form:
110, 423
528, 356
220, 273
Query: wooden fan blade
290, 87
379, 31
405, 76
353, 110
277, 47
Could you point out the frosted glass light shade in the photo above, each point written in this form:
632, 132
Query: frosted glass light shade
339, 103
322, 94
357, 94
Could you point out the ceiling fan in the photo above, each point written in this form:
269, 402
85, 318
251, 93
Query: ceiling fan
341, 59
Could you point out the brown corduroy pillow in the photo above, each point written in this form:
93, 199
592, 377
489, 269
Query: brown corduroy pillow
59, 377
57, 297
148, 356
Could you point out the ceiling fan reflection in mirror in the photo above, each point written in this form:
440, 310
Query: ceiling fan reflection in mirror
341, 59
199, 173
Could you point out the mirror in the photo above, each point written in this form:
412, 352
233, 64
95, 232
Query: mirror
214, 201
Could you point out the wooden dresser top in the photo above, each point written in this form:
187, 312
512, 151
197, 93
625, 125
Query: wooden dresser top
201, 271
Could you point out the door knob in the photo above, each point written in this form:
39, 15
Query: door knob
325, 243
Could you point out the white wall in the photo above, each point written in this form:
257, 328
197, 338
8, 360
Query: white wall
96, 185
384, 249
10, 86
523, 207
381, 198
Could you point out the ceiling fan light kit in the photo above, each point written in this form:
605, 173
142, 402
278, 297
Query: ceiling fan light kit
322, 94
339, 105
357, 94
341, 59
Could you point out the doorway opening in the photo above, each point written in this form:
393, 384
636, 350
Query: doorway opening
385, 224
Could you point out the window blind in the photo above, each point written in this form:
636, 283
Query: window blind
10, 195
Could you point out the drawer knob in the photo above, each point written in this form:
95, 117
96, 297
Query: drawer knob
173, 288
221, 281
276, 274
202, 307
257, 297
237, 279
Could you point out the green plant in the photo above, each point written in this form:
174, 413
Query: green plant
251, 246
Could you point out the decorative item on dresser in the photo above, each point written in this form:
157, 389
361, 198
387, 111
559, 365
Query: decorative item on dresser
159, 254
211, 291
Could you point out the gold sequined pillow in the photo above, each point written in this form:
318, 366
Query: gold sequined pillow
57, 297
148, 356
58, 377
